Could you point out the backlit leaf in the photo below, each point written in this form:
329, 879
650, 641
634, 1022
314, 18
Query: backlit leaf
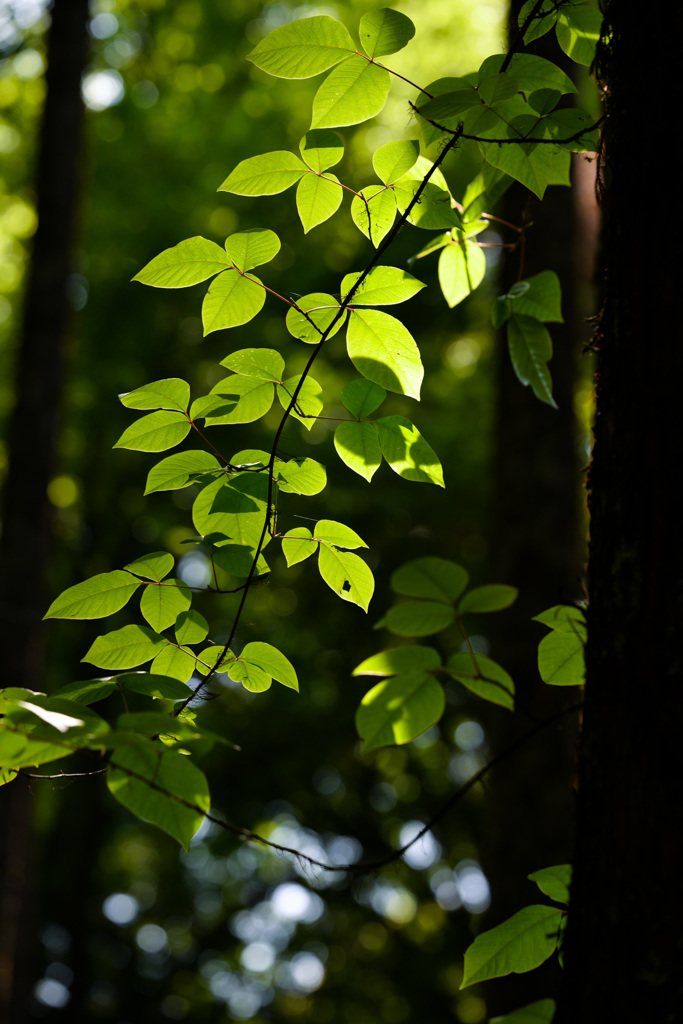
361, 397
399, 709
172, 393
373, 210
417, 618
492, 597
394, 159
303, 48
407, 452
232, 299
252, 248
540, 1012
461, 270
347, 575
484, 677
517, 945
124, 648
309, 402
162, 603
355, 91
181, 470
264, 175
529, 71
385, 31
338, 534
543, 21
297, 545
566, 618
264, 363
101, 595
561, 659
358, 446
578, 30
318, 197
154, 566
176, 662
270, 660
156, 432
321, 309
554, 882
384, 351
189, 262
398, 660
433, 578
383, 286
530, 349
239, 399
304, 477
321, 148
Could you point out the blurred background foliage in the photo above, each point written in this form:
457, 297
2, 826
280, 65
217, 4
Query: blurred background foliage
123, 927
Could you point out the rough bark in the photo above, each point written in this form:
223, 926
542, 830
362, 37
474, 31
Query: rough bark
624, 944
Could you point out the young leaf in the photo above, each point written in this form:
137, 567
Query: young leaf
232, 299
385, 31
189, 262
172, 393
252, 677
517, 945
384, 351
297, 545
530, 349
181, 470
358, 446
153, 566
252, 248
162, 603
308, 402
554, 882
124, 648
484, 677
394, 159
361, 397
398, 660
407, 452
303, 48
433, 578
490, 598
320, 308
269, 660
461, 270
561, 659
543, 1010
318, 197
101, 595
578, 30
373, 210
239, 399
417, 618
321, 148
302, 477
263, 363
399, 709
354, 92
156, 432
338, 534
542, 299
347, 575
264, 175
157, 784
383, 286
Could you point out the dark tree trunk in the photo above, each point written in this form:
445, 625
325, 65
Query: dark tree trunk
25, 545
624, 945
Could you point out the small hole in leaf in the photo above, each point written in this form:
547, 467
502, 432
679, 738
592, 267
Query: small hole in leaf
347, 586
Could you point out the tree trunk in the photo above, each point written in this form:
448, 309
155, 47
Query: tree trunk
624, 943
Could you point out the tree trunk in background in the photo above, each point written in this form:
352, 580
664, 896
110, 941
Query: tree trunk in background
25, 545
536, 546
624, 943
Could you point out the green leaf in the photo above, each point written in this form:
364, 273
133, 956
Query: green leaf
297, 545
232, 299
461, 269
237, 559
578, 30
152, 685
153, 723
394, 159
321, 149
155, 432
124, 648
177, 662
317, 199
483, 192
361, 397
517, 945
373, 210
565, 618
239, 399
554, 882
500, 311
303, 48
359, 448
347, 575
484, 677
101, 595
417, 618
385, 31
87, 691
189, 262
321, 309
172, 393
162, 603
264, 363
490, 598
252, 677
264, 175
535, 165
162, 785
433, 210
308, 402
530, 349
407, 452
252, 248
433, 578
341, 536
540, 1012
180, 470
542, 299
269, 660
543, 21
399, 709
451, 97
561, 659
383, 286
354, 92
304, 477
530, 72
384, 351
566, 123
153, 566
496, 88
398, 660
